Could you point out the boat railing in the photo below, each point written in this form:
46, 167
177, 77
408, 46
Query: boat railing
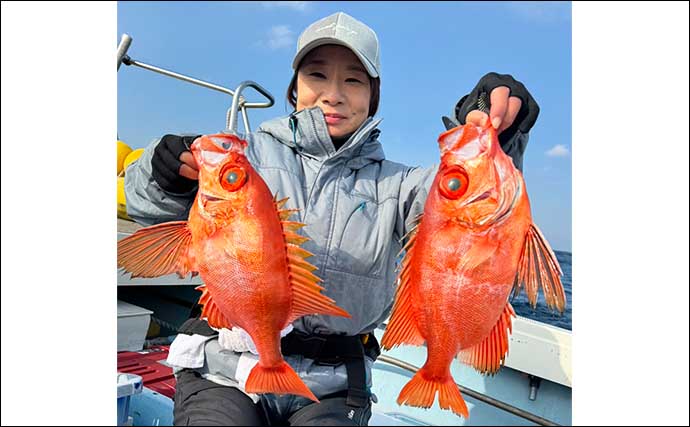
239, 103
474, 394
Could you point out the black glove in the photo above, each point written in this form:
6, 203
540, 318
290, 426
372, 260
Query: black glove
165, 164
479, 99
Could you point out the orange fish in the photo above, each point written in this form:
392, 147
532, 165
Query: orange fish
474, 244
247, 253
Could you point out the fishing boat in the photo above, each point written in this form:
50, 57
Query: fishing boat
534, 387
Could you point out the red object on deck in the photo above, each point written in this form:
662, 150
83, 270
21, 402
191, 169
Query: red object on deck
147, 364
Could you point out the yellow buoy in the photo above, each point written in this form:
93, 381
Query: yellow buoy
121, 201
132, 157
122, 151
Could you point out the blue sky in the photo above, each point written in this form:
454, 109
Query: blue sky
630, 190
432, 53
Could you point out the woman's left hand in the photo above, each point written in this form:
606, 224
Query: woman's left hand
504, 110
511, 106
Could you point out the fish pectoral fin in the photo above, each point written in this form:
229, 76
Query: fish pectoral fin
210, 310
488, 356
403, 329
157, 250
539, 268
478, 253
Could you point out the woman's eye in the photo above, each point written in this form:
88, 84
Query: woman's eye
319, 75
352, 80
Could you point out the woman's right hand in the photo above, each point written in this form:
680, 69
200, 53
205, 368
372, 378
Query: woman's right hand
173, 166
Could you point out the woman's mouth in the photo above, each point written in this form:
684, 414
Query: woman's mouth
334, 119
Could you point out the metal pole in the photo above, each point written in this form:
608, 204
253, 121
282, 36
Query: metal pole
481, 397
245, 119
235, 107
125, 42
129, 61
238, 102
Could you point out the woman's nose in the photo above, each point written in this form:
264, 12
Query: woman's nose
333, 94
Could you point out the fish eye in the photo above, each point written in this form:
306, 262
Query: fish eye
454, 183
232, 178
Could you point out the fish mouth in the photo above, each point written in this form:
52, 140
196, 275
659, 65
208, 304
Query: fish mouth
484, 195
208, 198
505, 207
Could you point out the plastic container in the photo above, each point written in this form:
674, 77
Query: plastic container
150, 365
132, 324
127, 386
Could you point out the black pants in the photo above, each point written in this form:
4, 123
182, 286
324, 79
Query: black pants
199, 402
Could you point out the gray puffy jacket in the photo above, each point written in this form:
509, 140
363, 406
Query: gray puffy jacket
356, 205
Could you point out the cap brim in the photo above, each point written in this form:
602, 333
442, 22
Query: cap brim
371, 70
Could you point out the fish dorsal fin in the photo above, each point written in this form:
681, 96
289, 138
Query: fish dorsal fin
488, 356
539, 268
157, 250
411, 234
285, 213
402, 328
210, 310
307, 296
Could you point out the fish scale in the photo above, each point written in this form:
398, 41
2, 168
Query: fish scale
473, 246
239, 239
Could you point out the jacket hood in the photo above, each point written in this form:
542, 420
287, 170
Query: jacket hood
307, 132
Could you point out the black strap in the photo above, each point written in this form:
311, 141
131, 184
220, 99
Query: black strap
334, 350
357, 393
324, 349
194, 325
197, 326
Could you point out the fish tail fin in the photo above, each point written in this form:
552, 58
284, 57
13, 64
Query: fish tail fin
280, 379
421, 391
449, 397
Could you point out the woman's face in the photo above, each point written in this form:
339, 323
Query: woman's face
332, 77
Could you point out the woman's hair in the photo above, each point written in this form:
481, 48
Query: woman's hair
375, 84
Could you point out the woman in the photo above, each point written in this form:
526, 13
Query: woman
327, 159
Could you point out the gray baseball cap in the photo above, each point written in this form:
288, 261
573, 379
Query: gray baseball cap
341, 29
